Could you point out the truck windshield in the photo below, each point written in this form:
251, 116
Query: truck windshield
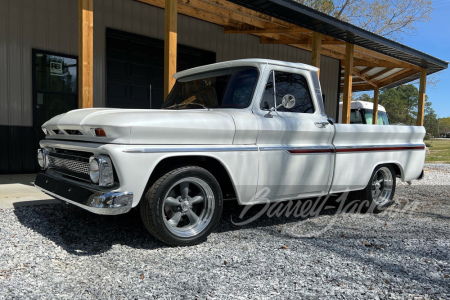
226, 88
381, 119
366, 116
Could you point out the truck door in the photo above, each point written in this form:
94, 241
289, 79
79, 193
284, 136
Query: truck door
296, 152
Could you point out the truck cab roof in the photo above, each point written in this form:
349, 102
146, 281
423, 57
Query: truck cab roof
363, 105
255, 62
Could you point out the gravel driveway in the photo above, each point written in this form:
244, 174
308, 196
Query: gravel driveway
58, 251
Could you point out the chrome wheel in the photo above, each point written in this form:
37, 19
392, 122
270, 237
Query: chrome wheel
382, 186
188, 207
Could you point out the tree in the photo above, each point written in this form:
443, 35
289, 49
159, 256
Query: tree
388, 18
430, 120
364, 97
325, 6
401, 104
444, 125
401, 107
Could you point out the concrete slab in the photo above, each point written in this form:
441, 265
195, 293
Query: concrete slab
18, 190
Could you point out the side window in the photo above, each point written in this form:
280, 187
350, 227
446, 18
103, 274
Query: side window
267, 100
296, 85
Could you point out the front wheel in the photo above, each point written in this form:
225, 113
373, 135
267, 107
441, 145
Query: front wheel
380, 190
183, 206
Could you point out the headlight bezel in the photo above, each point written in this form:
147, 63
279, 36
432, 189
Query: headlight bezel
102, 173
42, 155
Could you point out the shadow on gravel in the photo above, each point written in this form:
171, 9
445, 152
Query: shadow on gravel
266, 216
82, 233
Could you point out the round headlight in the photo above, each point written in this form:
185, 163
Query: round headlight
107, 175
94, 171
42, 159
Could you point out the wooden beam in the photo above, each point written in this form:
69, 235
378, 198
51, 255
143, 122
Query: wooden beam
243, 20
223, 4
359, 62
396, 77
323, 51
267, 30
170, 45
422, 92
358, 73
359, 88
305, 40
286, 40
375, 106
380, 73
368, 69
86, 53
316, 47
384, 57
196, 13
347, 98
365, 77
308, 47
370, 57
221, 10
354, 80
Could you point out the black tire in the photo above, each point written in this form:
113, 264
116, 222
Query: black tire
370, 201
164, 219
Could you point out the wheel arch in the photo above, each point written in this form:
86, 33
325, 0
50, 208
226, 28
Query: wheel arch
398, 168
212, 164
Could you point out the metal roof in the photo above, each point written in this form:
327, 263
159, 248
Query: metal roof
309, 18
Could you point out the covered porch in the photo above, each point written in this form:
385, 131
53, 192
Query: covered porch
367, 61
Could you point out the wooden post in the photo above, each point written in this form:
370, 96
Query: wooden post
375, 106
316, 47
422, 91
170, 45
86, 53
347, 98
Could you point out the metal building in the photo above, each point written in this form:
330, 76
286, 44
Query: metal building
58, 55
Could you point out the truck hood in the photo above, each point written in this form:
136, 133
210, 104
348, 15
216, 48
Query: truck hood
144, 126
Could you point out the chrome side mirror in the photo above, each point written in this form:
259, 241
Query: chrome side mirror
288, 101
358, 113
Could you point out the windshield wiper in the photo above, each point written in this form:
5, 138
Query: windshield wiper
199, 104
186, 104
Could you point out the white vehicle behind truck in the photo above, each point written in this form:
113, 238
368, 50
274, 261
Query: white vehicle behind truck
361, 112
253, 130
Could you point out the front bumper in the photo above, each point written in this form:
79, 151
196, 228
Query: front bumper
100, 202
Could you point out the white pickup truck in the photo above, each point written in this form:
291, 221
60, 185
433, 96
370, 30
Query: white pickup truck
253, 130
361, 112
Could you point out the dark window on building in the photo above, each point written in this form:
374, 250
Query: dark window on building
135, 68
55, 84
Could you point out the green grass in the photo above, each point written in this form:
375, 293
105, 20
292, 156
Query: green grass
439, 151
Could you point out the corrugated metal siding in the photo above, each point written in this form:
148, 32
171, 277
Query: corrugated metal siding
147, 20
52, 25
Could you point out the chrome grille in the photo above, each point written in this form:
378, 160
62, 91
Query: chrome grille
71, 165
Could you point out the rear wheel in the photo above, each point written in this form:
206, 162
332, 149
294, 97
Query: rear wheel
380, 190
183, 206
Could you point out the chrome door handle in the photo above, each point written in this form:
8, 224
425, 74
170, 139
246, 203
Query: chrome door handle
321, 124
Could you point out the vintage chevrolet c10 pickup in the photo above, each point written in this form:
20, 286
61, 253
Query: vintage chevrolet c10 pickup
253, 130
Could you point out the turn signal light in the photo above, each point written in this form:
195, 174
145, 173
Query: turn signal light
98, 131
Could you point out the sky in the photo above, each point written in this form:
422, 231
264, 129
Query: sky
433, 38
